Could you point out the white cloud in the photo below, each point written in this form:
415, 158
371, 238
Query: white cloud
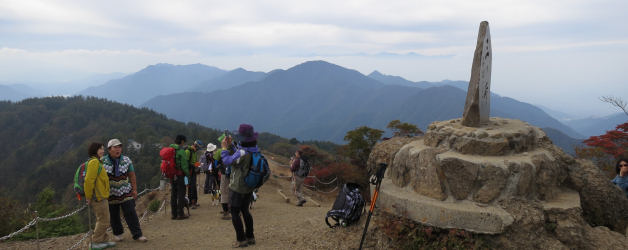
50, 17
532, 39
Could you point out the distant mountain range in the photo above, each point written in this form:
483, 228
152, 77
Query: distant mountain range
16, 92
597, 126
311, 101
563, 141
154, 80
322, 101
397, 80
227, 80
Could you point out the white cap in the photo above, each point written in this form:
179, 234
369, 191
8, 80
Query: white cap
113, 142
210, 147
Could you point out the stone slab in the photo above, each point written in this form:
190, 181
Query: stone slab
564, 199
488, 219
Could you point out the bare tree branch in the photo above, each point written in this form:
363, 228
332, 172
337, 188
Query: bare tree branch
616, 102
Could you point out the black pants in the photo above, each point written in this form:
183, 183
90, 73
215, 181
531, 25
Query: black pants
240, 204
211, 184
192, 193
177, 196
130, 216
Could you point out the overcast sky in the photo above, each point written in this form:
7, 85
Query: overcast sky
563, 54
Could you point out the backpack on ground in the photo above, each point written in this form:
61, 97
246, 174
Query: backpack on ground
79, 179
168, 165
258, 171
304, 168
348, 207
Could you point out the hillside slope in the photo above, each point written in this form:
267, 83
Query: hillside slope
45, 139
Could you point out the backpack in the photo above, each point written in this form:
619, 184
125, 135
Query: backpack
348, 206
168, 165
304, 168
207, 160
79, 179
258, 171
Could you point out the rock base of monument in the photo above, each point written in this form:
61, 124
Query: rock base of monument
465, 214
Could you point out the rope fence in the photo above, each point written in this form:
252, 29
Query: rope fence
37, 219
314, 187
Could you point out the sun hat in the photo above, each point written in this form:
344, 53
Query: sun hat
247, 133
113, 142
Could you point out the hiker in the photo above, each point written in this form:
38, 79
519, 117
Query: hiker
240, 194
621, 180
297, 167
177, 183
96, 188
122, 191
224, 172
208, 166
190, 153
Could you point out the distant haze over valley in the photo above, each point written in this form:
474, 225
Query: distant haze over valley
313, 100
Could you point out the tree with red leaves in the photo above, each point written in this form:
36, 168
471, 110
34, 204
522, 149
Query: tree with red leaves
614, 142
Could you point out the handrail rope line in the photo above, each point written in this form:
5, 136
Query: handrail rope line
109, 228
316, 189
36, 219
63, 216
81, 240
316, 178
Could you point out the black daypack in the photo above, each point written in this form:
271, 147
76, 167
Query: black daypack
348, 207
304, 168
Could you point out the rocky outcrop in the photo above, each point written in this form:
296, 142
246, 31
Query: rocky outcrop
506, 179
603, 204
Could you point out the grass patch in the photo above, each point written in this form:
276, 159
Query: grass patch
153, 206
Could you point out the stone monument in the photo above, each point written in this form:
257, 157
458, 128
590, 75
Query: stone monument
477, 106
500, 177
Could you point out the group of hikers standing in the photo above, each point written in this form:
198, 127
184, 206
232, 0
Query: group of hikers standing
110, 186
225, 169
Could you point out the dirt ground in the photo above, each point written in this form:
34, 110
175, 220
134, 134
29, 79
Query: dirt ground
277, 225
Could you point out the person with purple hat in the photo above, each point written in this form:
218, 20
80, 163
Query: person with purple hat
240, 194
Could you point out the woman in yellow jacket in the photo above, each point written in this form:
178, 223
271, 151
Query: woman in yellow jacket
96, 194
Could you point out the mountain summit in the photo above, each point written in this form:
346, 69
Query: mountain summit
154, 80
322, 101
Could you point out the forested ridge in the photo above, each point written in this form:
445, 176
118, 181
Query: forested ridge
45, 139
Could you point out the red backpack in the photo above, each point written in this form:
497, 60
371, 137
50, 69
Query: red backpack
168, 166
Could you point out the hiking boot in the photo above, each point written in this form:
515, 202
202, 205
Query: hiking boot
182, 217
239, 244
250, 241
142, 239
117, 238
301, 202
98, 246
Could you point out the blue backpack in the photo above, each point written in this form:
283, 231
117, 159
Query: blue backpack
258, 171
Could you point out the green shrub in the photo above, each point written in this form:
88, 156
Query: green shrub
153, 206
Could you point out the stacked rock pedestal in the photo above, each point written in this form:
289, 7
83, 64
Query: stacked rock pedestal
454, 175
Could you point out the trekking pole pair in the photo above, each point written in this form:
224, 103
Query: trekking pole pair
377, 181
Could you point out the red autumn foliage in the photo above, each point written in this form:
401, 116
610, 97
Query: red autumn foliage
614, 142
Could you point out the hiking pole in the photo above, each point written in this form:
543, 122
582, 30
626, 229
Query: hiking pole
377, 180
89, 221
